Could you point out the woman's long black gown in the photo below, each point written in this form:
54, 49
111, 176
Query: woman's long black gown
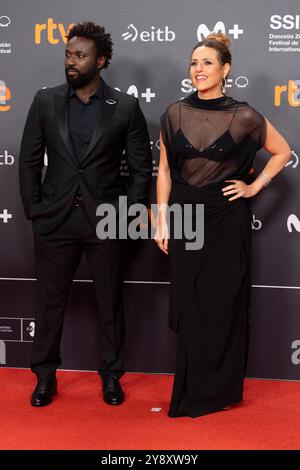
208, 142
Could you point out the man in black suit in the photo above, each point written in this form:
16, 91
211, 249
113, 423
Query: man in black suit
85, 126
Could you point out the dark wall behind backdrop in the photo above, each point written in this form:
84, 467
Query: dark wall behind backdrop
153, 41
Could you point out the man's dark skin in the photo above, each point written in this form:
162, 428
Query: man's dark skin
80, 58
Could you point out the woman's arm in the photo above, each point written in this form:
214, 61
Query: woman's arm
163, 189
281, 154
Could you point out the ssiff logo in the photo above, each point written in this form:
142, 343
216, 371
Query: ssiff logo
51, 30
285, 22
240, 82
5, 97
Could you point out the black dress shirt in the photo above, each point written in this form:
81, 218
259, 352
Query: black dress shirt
83, 118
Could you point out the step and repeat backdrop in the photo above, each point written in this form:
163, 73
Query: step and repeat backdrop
152, 45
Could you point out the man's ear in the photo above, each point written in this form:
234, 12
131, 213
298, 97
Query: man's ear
101, 62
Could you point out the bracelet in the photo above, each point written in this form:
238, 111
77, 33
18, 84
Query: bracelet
264, 178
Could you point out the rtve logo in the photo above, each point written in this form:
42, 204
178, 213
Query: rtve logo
5, 97
219, 27
292, 89
53, 32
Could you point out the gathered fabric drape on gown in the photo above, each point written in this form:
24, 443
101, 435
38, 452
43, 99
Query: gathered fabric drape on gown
208, 142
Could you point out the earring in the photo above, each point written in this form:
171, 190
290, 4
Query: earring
224, 85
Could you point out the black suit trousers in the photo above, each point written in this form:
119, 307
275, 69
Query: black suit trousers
57, 257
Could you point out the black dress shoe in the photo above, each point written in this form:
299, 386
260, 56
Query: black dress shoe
112, 391
43, 392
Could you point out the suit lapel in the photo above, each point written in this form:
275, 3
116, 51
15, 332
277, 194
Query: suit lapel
61, 113
108, 108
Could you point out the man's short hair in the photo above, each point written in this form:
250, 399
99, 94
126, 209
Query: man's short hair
89, 30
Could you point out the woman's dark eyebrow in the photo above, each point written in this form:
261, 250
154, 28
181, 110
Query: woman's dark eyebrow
205, 58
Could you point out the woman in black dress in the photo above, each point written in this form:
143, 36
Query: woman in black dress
208, 143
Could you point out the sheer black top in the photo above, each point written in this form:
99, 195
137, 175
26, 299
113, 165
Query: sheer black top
208, 141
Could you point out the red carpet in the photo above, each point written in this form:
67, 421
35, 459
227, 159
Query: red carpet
78, 419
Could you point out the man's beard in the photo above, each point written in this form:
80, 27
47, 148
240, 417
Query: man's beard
81, 79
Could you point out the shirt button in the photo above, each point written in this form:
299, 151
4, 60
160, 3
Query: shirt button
80, 171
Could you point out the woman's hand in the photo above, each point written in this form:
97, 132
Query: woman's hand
239, 189
161, 237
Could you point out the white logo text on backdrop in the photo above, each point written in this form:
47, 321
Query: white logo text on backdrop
153, 34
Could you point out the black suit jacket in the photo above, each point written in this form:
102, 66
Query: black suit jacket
121, 127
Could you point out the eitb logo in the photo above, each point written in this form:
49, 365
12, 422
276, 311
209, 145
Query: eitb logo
151, 34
